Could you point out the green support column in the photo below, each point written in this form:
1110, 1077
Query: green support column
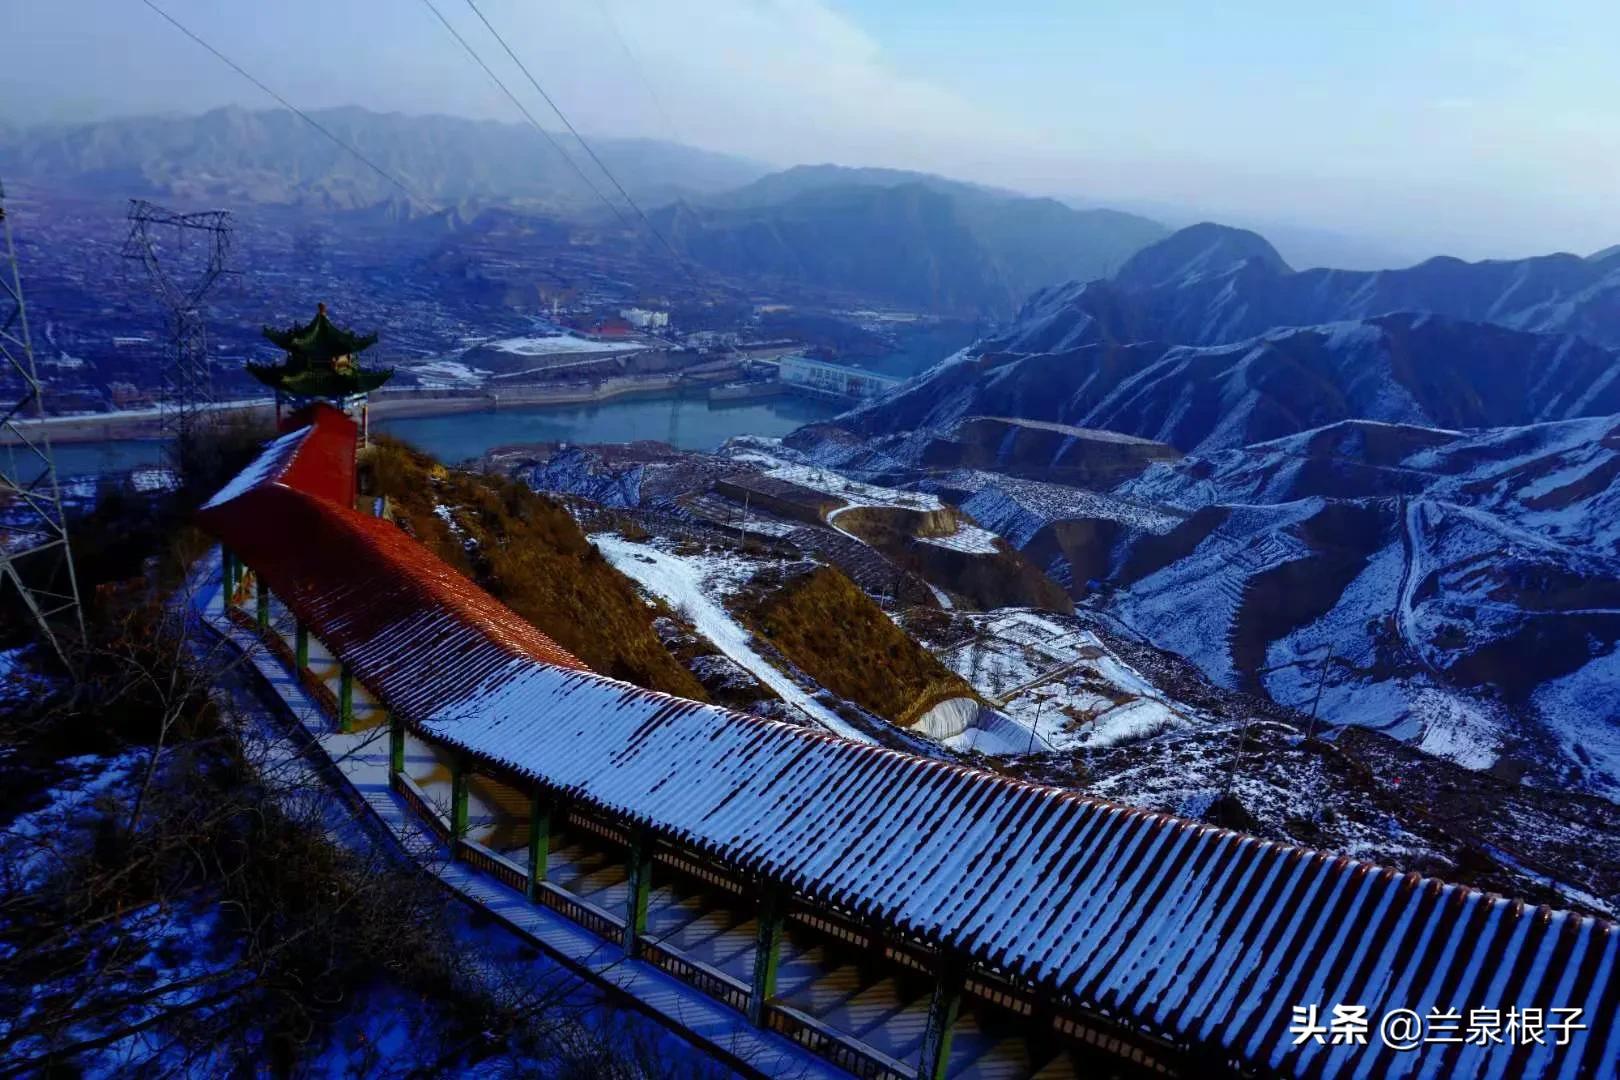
459, 773
539, 840
345, 698
640, 889
262, 597
396, 743
767, 952
942, 1010
301, 646
227, 573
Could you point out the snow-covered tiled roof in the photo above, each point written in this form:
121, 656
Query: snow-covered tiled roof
1202, 935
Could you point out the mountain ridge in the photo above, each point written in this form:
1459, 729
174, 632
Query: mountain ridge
947, 244
1399, 368
1212, 284
272, 156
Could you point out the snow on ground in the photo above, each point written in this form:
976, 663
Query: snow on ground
149, 480
13, 673
448, 516
1018, 509
690, 584
1131, 722
1455, 728
853, 491
1190, 606
1056, 686
766, 451
562, 343
448, 373
969, 539
996, 735
35, 841
1587, 733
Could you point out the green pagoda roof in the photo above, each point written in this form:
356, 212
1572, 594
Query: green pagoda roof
321, 360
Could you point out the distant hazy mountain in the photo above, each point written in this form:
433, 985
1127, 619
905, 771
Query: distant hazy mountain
1409, 369
233, 154
1209, 284
918, 239
903, 244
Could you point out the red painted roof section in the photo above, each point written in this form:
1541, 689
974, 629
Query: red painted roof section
354, 579
324, 465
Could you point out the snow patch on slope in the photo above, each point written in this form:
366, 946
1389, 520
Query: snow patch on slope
689, 583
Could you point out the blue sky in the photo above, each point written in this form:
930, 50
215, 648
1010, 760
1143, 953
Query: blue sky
1481, 128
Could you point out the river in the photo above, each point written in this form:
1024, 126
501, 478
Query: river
86, 458
691, 423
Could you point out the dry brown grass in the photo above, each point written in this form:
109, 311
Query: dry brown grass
825, 624
528, 552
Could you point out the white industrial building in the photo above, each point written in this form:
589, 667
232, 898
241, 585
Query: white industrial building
642, 319
834, 380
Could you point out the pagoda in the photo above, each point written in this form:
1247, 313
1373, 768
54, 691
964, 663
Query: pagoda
322, 364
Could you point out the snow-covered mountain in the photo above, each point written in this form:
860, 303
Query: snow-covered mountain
1456, 590
1213, 285
1399, 368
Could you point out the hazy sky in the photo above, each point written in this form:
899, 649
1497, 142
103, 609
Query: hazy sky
1475, 127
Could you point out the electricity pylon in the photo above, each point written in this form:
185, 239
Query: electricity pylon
34, 552
188, 384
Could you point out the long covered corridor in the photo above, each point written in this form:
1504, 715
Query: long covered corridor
890, 914
835, 979
840, 989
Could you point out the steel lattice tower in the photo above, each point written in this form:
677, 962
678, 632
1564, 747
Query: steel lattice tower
34, 552
188, 384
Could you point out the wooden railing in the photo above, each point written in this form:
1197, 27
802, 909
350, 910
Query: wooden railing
272, 640
316, 688
1117, 1043
416, 800
594, 825
493, 863
842, 1050
839, 926
698, 869
717, 984
591, 917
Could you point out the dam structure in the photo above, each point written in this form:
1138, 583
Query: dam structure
888, 914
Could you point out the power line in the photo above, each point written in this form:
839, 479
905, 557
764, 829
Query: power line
581, 139
606, 8
555, 145
641, 73
300, 113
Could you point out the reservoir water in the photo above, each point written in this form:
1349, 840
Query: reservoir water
87, 458
689, 423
